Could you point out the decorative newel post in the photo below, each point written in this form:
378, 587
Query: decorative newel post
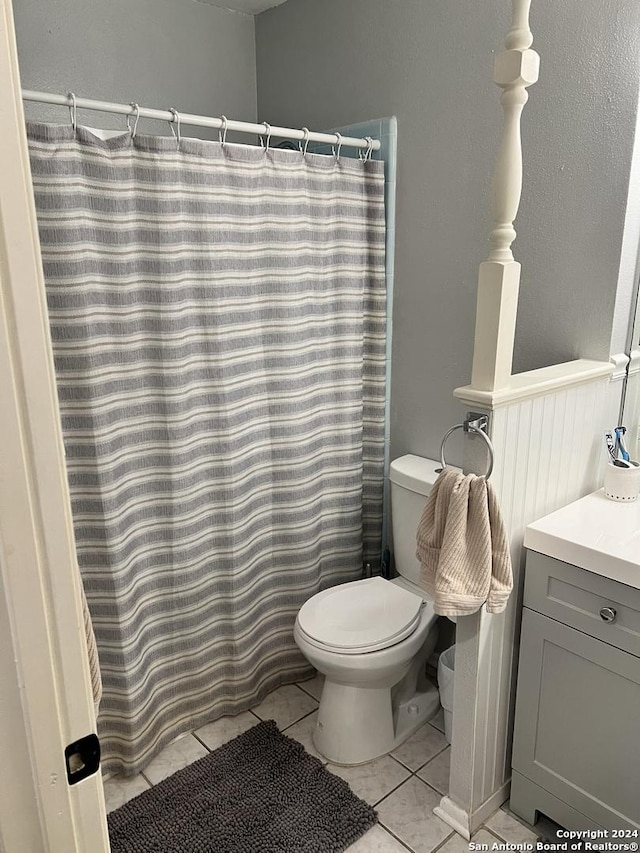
515, 68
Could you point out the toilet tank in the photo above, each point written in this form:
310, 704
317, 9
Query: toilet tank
412, 478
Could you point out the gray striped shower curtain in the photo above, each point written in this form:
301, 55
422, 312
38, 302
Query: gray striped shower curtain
218, 324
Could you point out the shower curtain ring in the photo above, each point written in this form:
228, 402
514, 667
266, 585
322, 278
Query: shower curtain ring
222, 133
73, 110
336, 153
176, 119
303, 148
369, 151
133, 130
267, 130
366, 154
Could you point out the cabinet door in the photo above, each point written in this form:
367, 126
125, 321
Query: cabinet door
577, 729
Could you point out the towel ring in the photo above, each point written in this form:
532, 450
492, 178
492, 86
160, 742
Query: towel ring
475, 424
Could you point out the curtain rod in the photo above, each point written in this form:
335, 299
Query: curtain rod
199, 121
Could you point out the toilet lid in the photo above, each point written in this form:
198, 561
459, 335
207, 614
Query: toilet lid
361, 616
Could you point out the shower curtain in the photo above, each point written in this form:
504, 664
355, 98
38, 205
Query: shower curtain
218, 324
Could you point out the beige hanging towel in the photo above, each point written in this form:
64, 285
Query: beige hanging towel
462, 546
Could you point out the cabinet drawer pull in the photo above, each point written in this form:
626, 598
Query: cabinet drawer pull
608, 614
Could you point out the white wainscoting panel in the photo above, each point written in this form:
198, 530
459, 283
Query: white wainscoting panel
549, 451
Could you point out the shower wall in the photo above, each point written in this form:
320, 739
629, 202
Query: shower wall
192, 56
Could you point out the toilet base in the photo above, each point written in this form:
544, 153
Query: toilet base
413, 714
358, 724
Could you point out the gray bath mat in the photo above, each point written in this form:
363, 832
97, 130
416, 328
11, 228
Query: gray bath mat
259, 793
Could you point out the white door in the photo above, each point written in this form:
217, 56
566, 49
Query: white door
45, 692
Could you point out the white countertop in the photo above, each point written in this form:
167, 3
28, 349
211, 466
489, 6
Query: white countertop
595, 533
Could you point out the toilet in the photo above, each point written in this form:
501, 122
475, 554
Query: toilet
371, 639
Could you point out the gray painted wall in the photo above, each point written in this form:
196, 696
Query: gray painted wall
161, 53
579, 129
334, 62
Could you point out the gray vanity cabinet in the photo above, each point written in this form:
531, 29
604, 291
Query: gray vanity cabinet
576, 752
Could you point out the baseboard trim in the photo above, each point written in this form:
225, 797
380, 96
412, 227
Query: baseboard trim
456, 817
466, 824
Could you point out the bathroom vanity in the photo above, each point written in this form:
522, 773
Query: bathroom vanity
576, 751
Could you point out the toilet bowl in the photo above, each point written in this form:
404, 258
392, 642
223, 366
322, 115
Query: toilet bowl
376, 695
371, 639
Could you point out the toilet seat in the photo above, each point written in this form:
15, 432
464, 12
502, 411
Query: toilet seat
361, 616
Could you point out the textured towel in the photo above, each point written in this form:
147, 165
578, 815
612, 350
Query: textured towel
462, 546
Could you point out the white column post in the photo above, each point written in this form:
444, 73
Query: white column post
479, 778
515, 68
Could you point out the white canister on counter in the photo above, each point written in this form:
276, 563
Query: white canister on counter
622, 484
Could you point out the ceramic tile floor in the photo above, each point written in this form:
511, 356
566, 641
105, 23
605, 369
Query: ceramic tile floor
404, 786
